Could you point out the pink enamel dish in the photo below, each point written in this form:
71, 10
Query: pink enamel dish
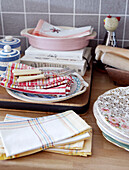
57, 44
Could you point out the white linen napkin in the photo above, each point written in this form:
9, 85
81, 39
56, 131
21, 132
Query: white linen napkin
70, 143
45, 29
21, 136
86, 150
62, 143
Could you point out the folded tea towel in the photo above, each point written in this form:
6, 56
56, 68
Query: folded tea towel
86, 150
53, 85
45, 29
10, 80
72, 150
86, 137
65, 144
78, 145
25, 135
82, 148
61, 90
115, 61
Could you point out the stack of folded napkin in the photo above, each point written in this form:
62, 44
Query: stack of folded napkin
21, 136
51, 83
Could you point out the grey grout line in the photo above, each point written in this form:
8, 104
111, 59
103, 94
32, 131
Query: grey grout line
24, 6
10, 12
25, 13
61, 13
74, 3
125, 40
2, 23
116, 15
6, 12
126, 8
76, 14
99, 20
49, 16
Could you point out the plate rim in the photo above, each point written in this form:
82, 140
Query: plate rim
84, 88
114, 136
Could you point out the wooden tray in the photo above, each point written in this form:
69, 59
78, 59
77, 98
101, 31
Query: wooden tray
79, 103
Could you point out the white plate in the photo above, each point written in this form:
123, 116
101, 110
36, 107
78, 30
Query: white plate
119, 144
113, 107
78, 87
107, 129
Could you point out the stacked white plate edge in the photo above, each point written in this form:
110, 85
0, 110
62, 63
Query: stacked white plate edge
112, 116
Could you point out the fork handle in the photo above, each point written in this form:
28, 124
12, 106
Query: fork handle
19, 72
28, 78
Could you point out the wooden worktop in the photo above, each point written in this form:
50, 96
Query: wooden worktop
104, 154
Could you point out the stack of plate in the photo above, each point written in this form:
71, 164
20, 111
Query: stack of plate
111, 111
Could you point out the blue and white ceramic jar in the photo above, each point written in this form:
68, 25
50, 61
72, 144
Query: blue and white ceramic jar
8, 55
15, 43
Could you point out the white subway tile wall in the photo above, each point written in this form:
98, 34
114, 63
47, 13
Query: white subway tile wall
15, 15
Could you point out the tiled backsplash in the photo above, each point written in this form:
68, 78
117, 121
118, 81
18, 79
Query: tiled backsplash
19, 14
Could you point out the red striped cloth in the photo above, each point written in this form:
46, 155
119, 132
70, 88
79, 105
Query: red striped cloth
53, 85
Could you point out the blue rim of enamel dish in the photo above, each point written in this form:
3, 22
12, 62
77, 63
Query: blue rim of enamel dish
8, 59
15, 43
2, 68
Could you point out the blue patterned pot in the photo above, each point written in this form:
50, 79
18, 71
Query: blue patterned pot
15, 43
8, 55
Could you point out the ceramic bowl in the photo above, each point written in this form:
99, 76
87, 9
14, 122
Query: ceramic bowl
57, 44
120, 77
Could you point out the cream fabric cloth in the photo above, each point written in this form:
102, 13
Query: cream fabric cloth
81, 148
76, 142
86, 150
45, 29
26, 135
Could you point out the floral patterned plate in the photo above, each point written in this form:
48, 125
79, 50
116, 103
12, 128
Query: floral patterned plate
78, 87
107, 129
113, 107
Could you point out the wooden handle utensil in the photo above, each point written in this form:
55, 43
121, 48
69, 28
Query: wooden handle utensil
113, 50
19, 72
28, 78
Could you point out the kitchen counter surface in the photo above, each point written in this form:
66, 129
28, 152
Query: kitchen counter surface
104, 154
